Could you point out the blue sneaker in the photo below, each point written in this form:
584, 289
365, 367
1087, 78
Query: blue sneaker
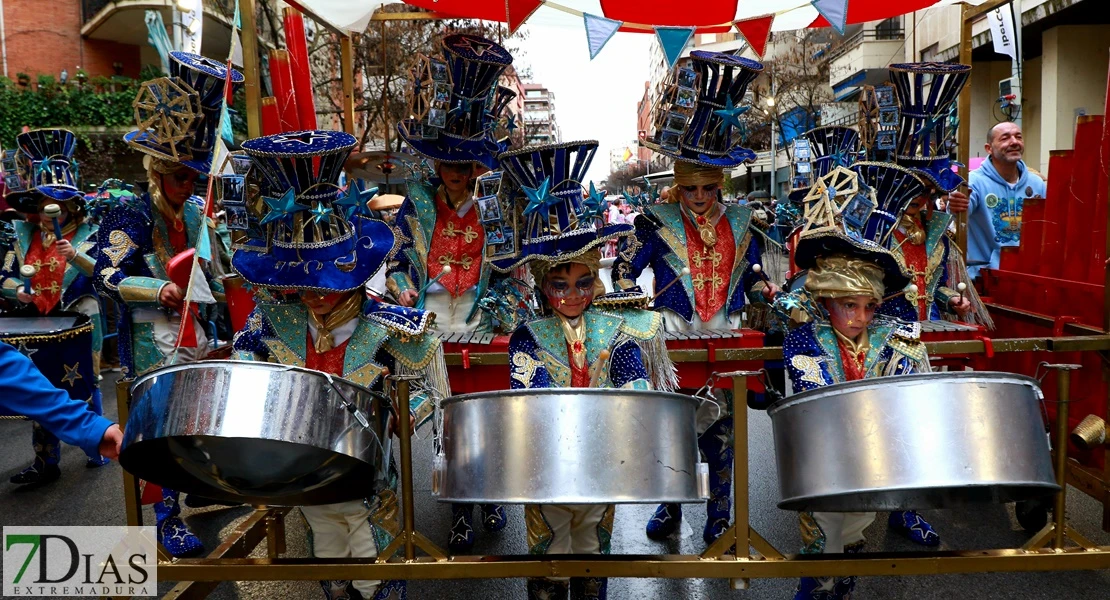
173, 533
393, 589
915, 527
493, 517
665, 522
589, 588
462, 532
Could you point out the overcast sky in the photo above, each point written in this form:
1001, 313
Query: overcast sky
593, 99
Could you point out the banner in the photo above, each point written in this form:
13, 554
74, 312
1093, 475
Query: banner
1002, 31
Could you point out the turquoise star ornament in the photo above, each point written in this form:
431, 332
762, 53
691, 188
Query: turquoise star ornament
321, 212
283, 207
593, 207
510, 123
730, 115
538, 197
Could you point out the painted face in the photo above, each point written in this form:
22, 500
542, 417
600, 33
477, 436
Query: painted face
178, 186
569, 291
322, 304
916, 205
851, 315
1007, 144
456, 177
698, 198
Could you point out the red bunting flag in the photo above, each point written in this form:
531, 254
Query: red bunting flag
756, 32
518, 11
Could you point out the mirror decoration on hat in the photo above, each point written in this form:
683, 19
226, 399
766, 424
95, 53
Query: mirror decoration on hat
47, 163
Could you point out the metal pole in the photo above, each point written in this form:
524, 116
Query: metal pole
774, 140
406, 467
963, 134
251, 75
132, 498
347, 74
1063, 389
740, 471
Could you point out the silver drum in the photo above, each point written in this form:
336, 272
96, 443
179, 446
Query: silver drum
932, 440
570, 446
257, 432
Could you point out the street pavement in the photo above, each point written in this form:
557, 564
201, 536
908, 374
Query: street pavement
94, 497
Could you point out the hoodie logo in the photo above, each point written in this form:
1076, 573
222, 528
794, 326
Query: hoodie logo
991, 200
1028, 191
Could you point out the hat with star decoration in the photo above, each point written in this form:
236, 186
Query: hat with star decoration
179, 116
696, 117
927, 95
45, 165
562, 220
455, 103
308, 241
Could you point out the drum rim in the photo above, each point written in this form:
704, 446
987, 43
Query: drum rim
900, 380
562, 391
83, 320
260, 364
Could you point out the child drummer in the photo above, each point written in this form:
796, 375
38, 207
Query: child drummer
850, 269
577, 344
308, 245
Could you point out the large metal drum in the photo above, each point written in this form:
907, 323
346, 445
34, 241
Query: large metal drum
257, 432
570, 446
932, 440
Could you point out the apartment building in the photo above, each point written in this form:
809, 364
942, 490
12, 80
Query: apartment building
540, 125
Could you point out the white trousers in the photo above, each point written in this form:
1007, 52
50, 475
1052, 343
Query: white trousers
165, 333
573, 528
451, 312
836, 530
342, 530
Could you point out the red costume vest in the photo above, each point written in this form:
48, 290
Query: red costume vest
917, 260
328, 362
459, 242
47, 283
710, 268
853, 362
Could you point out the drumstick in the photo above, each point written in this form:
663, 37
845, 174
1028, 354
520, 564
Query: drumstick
595, 371
54, 212
28, 272
685, 271
912, 288
420, 294
758, 270
962, 287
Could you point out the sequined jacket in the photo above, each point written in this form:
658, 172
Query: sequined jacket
659, 242
538, 355
938, 294
812, 354
416, 221
76, 282
388, 338
135, 251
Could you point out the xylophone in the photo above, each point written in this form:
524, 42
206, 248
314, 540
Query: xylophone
478, 362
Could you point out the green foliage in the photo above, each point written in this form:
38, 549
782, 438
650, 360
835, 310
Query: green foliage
102, 103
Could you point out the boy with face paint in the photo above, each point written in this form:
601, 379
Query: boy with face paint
696, 230
576, 343
439, 264
64, 268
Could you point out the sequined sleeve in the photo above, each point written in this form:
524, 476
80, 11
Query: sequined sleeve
526, 370
805, 360
401, 273
119, 272
626, 367
635, 253
247, 343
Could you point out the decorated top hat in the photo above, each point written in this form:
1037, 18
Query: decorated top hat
560, 221
455, 102
927, 94
829, 147
179, 116
309, 244
853, 212
42, 166
697, 116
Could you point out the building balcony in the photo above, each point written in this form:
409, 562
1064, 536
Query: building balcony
862, 59
124, 22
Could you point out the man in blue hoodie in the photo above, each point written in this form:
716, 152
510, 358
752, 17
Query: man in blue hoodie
999, 187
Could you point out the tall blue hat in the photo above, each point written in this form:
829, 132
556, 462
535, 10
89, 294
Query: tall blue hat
697, 117
44, 164
179, 116
927, 94
455, 102
309, 243
829, 147
561, 222
853, 212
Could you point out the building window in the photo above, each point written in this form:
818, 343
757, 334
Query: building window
890, 29
930, 54
534, 94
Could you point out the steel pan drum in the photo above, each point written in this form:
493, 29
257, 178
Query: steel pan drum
932, 440
256, 432
570, 446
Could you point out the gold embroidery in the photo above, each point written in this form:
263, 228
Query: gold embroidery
715, 281
469, 235
52, 288
120, 247
106, 274
524, 368
466, 261
711, 256
810, 368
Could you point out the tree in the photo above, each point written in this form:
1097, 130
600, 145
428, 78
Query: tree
627, 178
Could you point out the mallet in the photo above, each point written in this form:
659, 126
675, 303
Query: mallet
911, 289
55, 213
28, 272
962, 287
420, 295
595, 371
685, 271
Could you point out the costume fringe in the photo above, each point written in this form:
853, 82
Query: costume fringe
430, 389
956, 265
662, 373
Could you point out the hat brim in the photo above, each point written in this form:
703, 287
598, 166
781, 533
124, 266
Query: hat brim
940, 176
736, 157
446, 149
810, 248
373, 247
563, 248
140, 140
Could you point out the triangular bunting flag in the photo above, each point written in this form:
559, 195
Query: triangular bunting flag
834, 11
673, 40
756, 32
518, 11
598, 32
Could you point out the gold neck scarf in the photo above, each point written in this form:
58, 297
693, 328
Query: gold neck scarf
346, 310
451, 203
915, 232
863, 344
48, 231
